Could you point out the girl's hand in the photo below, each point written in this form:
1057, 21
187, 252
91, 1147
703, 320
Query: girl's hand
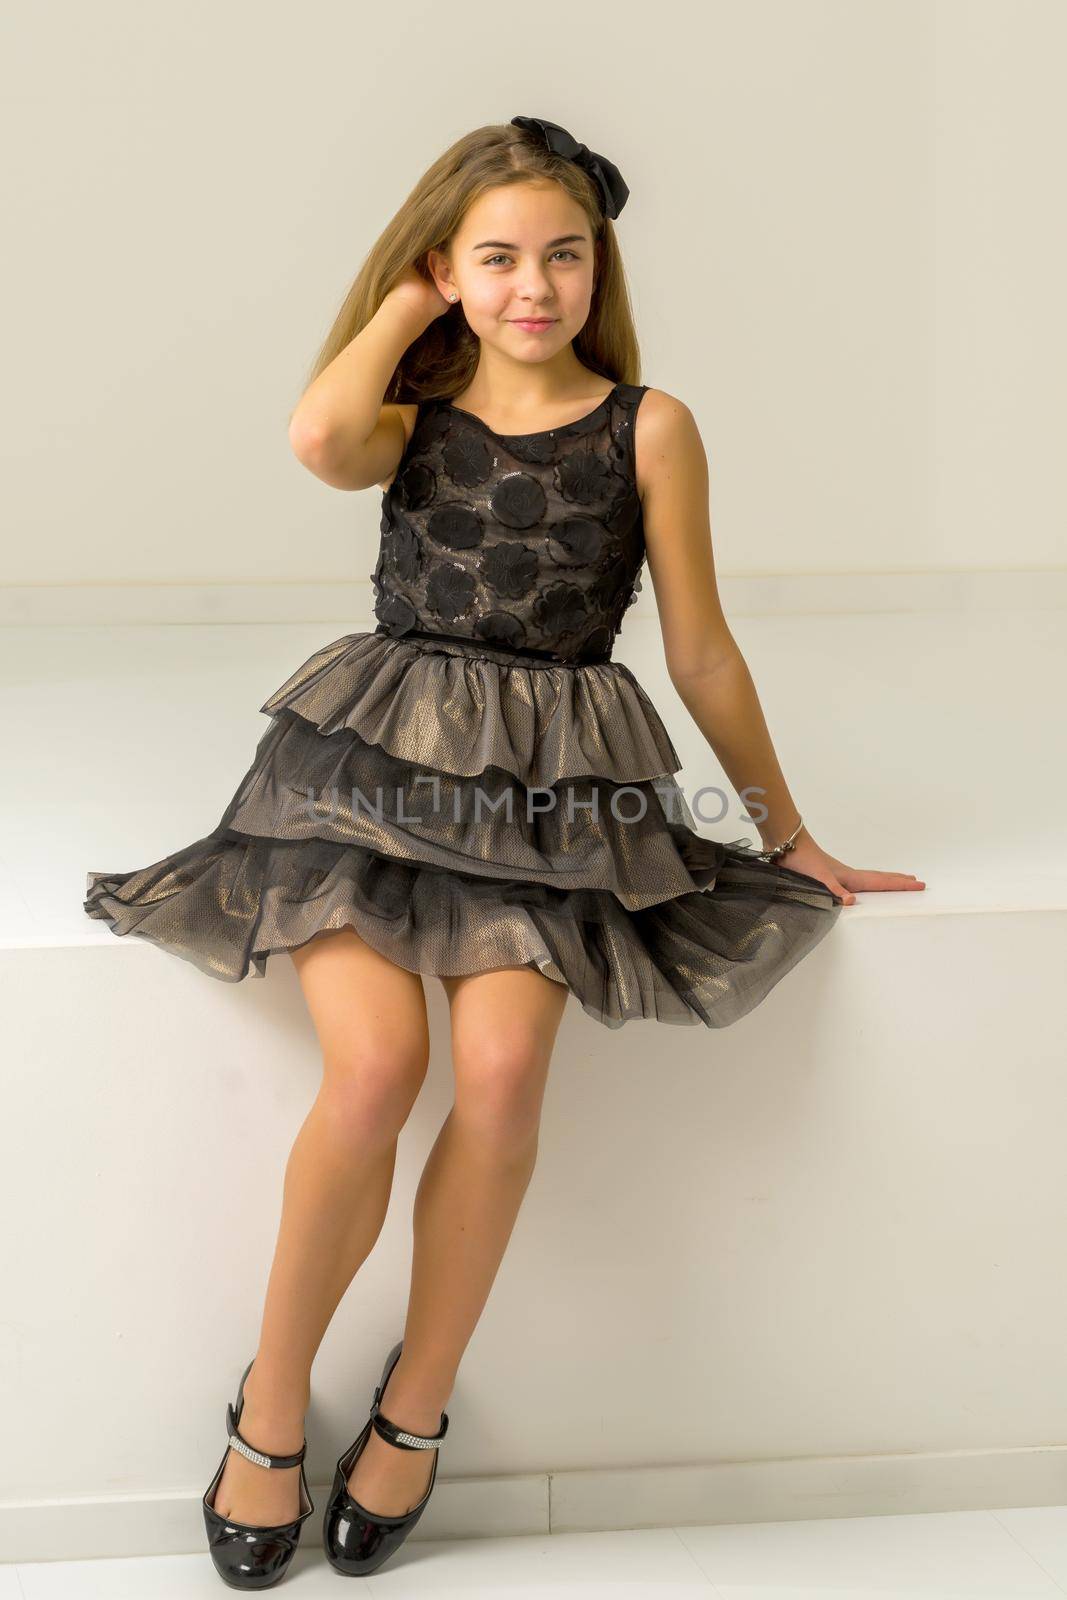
421, 294
843, 880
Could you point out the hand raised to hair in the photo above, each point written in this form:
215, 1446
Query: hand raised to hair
419, 292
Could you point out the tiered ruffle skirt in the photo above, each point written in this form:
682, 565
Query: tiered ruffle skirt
465, 808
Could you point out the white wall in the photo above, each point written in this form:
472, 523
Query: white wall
843, 244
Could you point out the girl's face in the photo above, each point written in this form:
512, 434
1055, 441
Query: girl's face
523, 251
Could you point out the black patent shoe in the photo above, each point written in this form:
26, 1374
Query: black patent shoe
358, 1541
245, 1556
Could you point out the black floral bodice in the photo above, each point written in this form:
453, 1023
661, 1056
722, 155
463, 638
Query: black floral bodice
524, 541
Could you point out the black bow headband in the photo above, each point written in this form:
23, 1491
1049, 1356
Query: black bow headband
603, 172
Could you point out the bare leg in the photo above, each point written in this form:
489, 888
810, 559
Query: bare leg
370, 1016
504, 1026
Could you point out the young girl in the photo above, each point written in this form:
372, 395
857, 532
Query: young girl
476, 790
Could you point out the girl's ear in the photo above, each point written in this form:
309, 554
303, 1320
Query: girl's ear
440, 269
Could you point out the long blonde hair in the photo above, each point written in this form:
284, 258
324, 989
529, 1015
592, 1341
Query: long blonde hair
442, 360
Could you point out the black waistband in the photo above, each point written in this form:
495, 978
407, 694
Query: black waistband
491, 646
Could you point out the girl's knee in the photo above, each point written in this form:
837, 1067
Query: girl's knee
500, 1090
373, 1094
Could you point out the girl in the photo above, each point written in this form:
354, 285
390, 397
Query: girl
477, 791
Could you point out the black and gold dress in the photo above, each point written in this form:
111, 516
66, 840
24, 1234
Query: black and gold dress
476, 784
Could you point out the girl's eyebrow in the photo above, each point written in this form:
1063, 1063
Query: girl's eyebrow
501, 244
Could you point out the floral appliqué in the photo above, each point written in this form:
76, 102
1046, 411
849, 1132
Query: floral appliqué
530, 541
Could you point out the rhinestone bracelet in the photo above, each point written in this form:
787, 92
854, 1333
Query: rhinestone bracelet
780, 849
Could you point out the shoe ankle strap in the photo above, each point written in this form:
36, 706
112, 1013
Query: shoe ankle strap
407, 1441
239, 1443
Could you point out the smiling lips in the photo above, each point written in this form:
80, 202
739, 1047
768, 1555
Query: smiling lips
533, 324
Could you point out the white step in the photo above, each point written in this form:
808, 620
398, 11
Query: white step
805, 1266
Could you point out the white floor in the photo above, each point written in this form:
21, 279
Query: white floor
958, 1555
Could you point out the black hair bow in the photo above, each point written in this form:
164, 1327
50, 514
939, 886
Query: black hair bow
604, 172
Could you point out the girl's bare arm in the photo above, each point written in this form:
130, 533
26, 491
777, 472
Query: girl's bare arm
703, 659
340, 430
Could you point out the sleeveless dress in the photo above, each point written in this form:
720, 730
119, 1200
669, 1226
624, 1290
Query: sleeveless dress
476, 784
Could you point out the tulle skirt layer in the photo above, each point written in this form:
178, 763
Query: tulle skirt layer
463, 808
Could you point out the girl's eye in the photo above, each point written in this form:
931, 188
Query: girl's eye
491, 259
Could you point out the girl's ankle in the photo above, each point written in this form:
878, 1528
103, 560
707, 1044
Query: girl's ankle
283, 1403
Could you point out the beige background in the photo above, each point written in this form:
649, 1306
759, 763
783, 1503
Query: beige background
843, 244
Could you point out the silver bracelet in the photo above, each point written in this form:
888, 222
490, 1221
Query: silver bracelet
780, 849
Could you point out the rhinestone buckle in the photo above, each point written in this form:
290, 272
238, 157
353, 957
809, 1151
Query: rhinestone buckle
238, 1444
416, 1441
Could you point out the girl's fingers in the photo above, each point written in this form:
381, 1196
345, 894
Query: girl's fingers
888, 880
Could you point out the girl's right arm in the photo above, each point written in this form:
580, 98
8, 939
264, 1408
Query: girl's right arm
340, 430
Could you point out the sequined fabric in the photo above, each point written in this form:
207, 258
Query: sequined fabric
476, 784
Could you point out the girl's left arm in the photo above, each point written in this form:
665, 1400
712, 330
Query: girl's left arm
703, 659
